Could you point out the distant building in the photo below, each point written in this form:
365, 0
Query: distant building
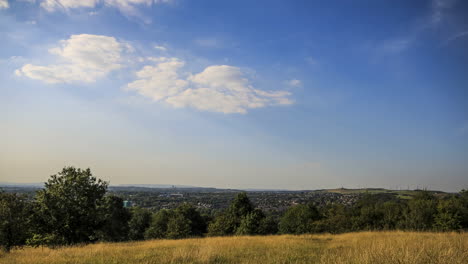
127, 203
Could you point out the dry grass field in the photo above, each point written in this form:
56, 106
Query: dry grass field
364, 247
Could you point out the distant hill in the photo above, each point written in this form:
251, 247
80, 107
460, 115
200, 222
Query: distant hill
166, 188
16, 184
189, 188
405, 194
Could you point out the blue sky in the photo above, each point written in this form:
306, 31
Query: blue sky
238, 94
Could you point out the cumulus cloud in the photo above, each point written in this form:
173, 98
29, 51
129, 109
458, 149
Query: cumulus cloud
159, 81
81, 58
219, 88
4, 4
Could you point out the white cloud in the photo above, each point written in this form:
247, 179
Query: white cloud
159, 81
219, 88
81, 58
53, 5
160, 47
127, 7
294, 83
4, 4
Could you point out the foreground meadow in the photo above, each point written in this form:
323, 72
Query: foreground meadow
364, 247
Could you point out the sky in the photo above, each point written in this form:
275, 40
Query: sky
236, 94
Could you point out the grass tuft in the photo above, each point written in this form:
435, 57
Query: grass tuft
362, 248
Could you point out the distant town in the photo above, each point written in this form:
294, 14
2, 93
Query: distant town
157, 197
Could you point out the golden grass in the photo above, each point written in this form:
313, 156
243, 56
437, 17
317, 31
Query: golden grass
364, 247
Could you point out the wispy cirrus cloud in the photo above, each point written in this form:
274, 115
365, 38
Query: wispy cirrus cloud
218, 88
123, 5
127, 7
81, 58
55, 5
457, 36
439, 10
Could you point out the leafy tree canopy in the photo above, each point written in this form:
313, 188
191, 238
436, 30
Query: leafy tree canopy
68, 208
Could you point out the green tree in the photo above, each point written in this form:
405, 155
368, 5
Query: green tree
184, 221
115, 217
298, 219
392, 214
251, 224
222, 225
178, 227
369, 213
240, 206
228, 221
68, 208
197, 222
463, 196
448, 215
335, 219
14, 220
421, 211
139, 222
268, 225
158, 226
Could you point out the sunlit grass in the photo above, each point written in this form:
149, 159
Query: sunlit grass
364, 247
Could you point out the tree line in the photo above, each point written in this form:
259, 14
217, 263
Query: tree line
74, 208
